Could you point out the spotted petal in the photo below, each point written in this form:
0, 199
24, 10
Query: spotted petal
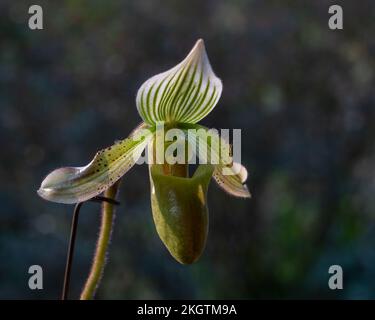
230, 176
186, 93
77, 184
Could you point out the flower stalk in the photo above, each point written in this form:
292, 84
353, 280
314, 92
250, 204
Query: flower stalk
100, 256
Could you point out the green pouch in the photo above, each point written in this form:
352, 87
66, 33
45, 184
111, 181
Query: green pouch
180, 212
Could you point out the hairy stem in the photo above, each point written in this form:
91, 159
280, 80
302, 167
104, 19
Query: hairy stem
108, 215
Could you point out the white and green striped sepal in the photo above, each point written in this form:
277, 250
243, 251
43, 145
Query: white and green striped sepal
184, 94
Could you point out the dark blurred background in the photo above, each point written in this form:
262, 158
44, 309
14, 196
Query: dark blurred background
302, 94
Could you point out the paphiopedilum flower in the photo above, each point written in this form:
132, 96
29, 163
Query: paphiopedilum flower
178, 99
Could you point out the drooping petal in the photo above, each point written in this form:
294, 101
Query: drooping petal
186, 93
77, 184
230, 176
234, 183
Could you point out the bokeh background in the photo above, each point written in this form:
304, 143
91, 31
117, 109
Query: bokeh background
302, 94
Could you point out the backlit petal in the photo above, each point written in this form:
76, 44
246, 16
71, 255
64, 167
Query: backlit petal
77, 184
229, 175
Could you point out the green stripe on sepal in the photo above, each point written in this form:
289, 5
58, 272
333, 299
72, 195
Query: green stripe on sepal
186, 93
77, 184
180, 212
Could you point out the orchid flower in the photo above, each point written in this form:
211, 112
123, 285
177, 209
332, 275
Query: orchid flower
178, 99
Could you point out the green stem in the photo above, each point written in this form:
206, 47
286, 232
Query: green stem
108, 215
